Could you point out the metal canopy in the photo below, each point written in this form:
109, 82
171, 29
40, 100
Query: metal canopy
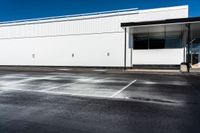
168, 27
162, 22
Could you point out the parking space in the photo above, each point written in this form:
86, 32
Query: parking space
80, 101
99, 83
65, 83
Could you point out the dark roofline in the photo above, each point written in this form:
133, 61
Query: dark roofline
167, 21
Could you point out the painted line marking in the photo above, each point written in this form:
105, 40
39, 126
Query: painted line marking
67, 84
59, 86
64, 69
99, 70
125, 87
56, 93
25, 80
79, 80
52, 88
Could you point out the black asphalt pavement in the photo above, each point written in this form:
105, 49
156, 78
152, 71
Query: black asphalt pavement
98, 101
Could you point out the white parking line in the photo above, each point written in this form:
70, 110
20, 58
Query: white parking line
52, 88
79, 80
116, 93
99, 70
64, 69
59, 86
55, 93
24, 80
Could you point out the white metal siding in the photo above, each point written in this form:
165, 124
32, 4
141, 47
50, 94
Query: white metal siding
158, 56
88, 50
89, 39
90, 25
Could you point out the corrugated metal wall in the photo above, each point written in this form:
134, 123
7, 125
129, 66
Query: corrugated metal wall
82, 25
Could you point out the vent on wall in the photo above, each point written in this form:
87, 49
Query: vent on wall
33, 56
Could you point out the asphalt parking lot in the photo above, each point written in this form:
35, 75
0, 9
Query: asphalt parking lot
98, 101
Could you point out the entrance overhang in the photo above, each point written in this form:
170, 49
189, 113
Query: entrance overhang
188, 26
162, 22
180, 24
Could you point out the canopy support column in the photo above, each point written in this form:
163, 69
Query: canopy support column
125, 30
188, 47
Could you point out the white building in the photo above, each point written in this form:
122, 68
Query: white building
97, 39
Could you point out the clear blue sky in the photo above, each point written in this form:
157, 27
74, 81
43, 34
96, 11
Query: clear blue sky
26, 9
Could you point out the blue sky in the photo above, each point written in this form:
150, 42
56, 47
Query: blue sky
27, 9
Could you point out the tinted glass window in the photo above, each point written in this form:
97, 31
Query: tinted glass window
140, 42
173, 40
156, 43
156, 40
